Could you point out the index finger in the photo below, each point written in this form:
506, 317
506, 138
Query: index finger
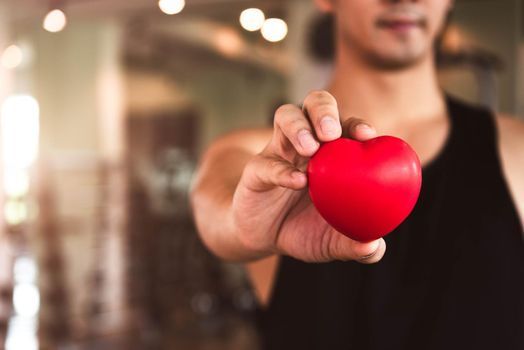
322, 111
358, 129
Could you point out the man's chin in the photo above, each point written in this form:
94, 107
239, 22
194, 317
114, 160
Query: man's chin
388, 61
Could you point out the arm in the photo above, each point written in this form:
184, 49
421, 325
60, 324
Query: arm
249, 196
212, 190
511, 150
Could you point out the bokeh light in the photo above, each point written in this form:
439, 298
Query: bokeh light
12, 57
22, 334
26, 299
252, 19
55, 21
228, 42
171, 7
20, 129
274, 29
453, 39
16, 182
15, 212
25, 270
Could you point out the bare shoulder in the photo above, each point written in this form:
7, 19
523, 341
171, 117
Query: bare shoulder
511, 129
511, 149
511, 140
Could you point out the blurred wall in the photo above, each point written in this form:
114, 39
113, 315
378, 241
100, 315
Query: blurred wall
5, 89
241, 98
493, 25
5, 75
76, 77
69, 68
305, 73
225, 97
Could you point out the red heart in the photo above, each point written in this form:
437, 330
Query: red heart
365, 189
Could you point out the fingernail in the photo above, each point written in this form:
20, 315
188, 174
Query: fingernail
371, 254
329, 127
365, 128
307, 141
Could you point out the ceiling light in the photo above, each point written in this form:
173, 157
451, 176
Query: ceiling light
274, 29
252, 19
55, 21
171, 7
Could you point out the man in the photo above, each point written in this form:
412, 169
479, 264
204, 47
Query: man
453, 274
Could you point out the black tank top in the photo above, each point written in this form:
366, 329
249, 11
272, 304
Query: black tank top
452, 276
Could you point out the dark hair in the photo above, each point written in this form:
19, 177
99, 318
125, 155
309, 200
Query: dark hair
321, 38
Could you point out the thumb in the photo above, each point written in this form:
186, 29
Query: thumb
345, 248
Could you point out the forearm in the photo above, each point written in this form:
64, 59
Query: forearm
211, 200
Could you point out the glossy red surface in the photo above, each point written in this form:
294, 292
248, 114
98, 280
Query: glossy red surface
365, 189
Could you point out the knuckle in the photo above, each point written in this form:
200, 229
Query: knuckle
281, 171
325, 109
259, 162
352, 124
263, 168
320, 96
355, 121
283, 111
334, 248
274, 166
296, 124
312, 97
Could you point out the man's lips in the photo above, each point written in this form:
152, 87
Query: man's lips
400, 23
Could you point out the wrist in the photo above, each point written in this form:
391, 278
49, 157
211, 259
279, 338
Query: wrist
246, 246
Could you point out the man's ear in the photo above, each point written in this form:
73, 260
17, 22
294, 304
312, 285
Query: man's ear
325, 5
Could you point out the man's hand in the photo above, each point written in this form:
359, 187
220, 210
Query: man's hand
271, 211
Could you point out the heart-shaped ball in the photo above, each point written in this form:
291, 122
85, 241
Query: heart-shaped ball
365, 189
